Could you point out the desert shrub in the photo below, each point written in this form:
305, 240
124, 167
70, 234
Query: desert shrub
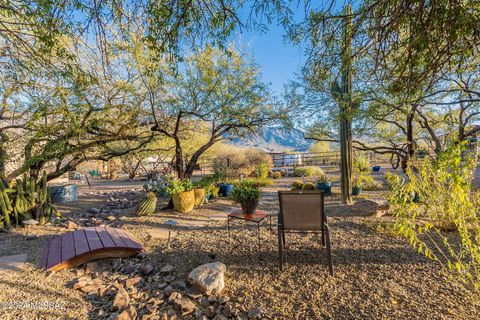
308, 172
370, 184
241, 161
276, 175
258, 182
308, 186
361, 165
437, 197
261, 170
297, 185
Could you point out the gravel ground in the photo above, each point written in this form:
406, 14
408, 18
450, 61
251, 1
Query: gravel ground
376, 276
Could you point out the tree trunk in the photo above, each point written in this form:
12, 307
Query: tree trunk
179, 163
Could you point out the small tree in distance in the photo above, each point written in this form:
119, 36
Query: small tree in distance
217, 93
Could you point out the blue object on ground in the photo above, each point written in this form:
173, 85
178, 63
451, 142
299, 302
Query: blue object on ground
63, 193
326, 187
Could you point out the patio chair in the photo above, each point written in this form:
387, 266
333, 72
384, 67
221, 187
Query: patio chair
300, 212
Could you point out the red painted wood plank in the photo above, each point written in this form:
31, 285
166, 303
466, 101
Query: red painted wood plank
94, 241
68, 246
44, 254
128, 240
54, 252
81, 243
116, 238
105, 238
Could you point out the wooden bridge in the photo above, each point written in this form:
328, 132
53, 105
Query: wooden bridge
80, 246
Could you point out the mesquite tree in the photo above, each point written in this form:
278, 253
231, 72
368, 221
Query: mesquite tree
218, 94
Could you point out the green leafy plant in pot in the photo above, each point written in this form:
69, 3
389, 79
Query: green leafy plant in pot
357, 184
324, 184
247, 195
183, 196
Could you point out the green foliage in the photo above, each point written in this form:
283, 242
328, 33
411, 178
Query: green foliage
147, 205
357, 181
370, 184
26, 201
231, 162
308, 186
258, 182
178, 186
262, 170
444, 225
308, 171
276, 175
245, 191
323, 179
160, 186
361, 165
319, 147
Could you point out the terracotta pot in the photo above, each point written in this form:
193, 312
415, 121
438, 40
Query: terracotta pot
249, 207
183, 202
199, 196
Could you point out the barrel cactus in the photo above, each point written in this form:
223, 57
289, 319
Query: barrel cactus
147, 205
297, 185
308, 186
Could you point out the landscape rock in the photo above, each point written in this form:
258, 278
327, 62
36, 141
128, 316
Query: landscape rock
72, 225
255, 313
128, 314
147, 268
209, 278
133, 282
121, 300
369, 207
185, 306
166, 269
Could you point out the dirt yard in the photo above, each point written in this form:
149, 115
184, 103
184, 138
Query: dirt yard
376, 276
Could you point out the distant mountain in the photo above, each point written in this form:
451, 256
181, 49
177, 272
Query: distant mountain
275, 140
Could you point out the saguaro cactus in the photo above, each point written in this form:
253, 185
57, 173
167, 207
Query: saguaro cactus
343, 94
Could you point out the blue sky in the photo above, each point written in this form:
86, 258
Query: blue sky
278, 59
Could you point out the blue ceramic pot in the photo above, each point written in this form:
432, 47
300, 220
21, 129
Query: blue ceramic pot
356, 191
376, 168
326, 187
225, 189
63, 193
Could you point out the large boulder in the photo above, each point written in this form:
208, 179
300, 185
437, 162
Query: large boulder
209, 278
370, 207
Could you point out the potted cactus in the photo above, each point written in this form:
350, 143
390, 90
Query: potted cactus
324, 184
247, 195
183, 196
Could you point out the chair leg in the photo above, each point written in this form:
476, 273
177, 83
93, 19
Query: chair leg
280, 248
329, 252
283, 237
323, 237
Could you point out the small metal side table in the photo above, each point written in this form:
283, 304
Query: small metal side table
257, 218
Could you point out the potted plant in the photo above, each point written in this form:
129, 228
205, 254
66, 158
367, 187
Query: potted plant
183, 196
324, 184
247, 195
357, 184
